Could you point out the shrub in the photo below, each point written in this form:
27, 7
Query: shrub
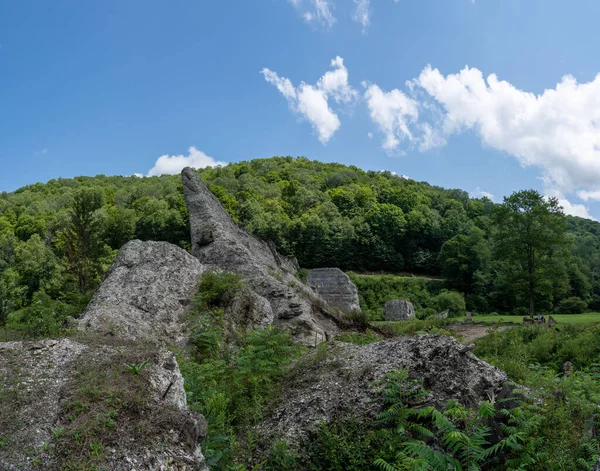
453, 301
572, 305
426, 313
217, 289
520, 311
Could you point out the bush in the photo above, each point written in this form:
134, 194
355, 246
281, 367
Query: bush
520, 311
217, 289
426, 313
572, 305
375, 290
453, 301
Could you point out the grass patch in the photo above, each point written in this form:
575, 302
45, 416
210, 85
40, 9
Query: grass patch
108, 404
578, 319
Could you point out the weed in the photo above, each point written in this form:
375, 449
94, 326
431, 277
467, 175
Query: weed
136, 369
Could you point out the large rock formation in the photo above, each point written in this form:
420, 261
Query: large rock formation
53, 391
398, 310
218, 242
335, 287
144, 293
346, 382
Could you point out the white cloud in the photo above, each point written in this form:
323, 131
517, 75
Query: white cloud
362, 14
172, 164
392, 112
568, 207
589, 195
558, 131
478, 193
575, 209
335, 82
311, 102
316, 11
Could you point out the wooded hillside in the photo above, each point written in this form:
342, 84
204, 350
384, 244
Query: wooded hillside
57, 238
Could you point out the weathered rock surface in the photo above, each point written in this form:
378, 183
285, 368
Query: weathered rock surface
144, 293
335, 287
398, 310
218, 242
345, 383
37, 379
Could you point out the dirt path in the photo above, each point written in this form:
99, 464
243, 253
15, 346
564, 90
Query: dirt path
472, 332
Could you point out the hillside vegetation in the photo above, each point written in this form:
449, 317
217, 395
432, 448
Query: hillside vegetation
58, 238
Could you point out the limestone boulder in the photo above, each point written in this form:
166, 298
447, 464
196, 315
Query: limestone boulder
398, 310
335, 287
144, 294
219, 243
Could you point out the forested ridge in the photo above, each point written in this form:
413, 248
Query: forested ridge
58, 238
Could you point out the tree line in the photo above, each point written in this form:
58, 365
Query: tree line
58, 238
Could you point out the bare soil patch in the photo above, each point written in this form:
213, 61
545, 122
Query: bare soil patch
472, 332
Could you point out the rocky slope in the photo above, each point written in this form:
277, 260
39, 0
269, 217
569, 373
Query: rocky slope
345, 382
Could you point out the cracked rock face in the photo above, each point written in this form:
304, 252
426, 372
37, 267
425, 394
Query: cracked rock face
144, 293
218, 242
335, 287
38, 378
345, 383
398, 310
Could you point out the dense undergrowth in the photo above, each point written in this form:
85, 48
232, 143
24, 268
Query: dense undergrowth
229, 377
548, 426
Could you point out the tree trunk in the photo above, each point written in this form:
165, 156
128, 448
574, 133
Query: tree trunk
531, 303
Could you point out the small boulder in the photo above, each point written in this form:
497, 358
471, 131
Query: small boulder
443, 314
335, 287
398, 310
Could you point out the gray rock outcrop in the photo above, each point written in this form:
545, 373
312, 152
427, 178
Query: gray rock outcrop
335, 287
398, 310
346, 382
40, 381
144, 293
218, 242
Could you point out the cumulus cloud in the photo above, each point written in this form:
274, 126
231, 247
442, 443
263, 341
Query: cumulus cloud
311, 102
558, 130
172, 164
362, 14
392, 112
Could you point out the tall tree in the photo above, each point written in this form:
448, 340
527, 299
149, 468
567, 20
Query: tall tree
532, 238
81, 239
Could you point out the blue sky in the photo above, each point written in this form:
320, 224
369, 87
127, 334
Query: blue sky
145, 87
